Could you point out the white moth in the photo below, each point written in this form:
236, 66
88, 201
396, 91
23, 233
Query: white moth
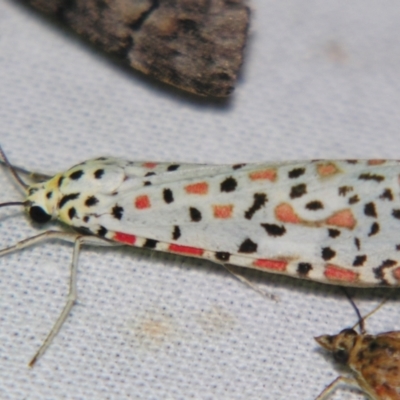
329, 221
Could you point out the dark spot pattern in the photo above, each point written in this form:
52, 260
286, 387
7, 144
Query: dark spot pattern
228, 185
386, 195
135, 24
354, 199
150, 243
71, 212
398, 247
98, 174
222, 256
396, 213
357, 243
176, 234
91, 201
68, 197
298, 191
327, 253
248, 246
359, 261
333, 233
146, 183
343, 190
31, 191
102, 231
274, 230
49, 195
303, 268
296, 172
76, 175
195, 214
371, 177
60, 181
370, 210
173, 167
86, 218
314, 205
259, 201
374, 229
188, 26
117, 211
168, 196
149, 174
238, 166
379, 271
375, 346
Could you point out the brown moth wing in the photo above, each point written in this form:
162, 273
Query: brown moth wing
391, 334
196, 45
376, 362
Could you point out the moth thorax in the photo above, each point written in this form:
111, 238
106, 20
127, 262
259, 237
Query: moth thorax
344, 343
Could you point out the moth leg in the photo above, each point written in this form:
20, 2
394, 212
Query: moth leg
340, 380
78, 240
248, 283
73, 293
68, 237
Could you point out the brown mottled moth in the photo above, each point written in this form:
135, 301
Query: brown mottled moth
196, 45
334, 222
373, 359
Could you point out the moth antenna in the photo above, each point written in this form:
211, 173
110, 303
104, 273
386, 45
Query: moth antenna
374, 310
13, 203
361, 319
13, 171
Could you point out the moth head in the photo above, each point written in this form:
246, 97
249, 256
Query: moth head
340, 345
41, 201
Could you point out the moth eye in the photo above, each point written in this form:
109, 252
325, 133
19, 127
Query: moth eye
39, 215
341, 356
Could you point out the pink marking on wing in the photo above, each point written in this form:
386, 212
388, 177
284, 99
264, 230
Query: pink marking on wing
343, 218
142, 202
335, 273
223, 211
396, 273
376, 162
276, 265
149, 165
284, 212
197, 188
193, 251
124, 238
327, 169
265, 174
